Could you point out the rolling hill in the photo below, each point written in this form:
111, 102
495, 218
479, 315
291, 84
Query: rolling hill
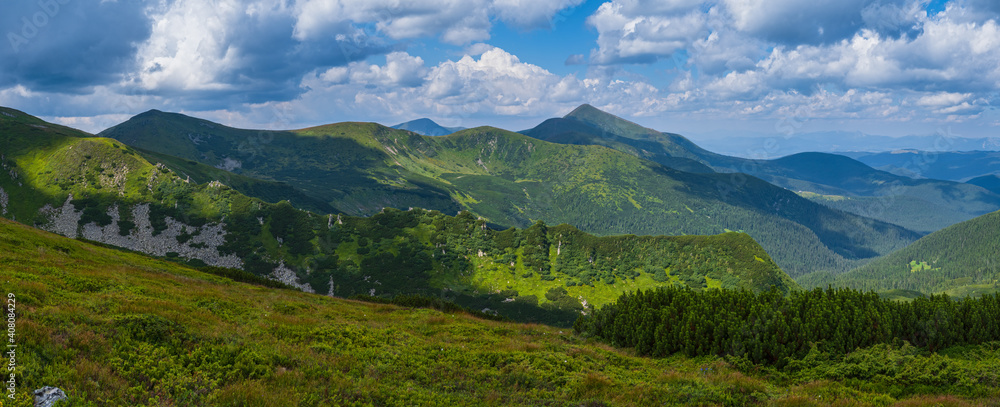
990, 182
513, 180
959, 260
112, 328
873, 193
853, 144
96, 188
949, 165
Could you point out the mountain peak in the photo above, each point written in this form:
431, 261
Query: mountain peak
427, 127
586, 110
150, 112
608, 122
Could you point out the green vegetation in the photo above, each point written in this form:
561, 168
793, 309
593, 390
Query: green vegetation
113, 328
774, 329
958, 260
915, 213
513, 180
517, 273
542, 274
820, 197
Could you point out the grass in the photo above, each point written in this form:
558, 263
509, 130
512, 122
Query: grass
113, 328
921, 266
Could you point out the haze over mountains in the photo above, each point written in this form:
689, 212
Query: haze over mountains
791, 141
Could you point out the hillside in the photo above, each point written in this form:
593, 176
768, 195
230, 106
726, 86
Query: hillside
990, 182
513, 180
936, 203
959, 260
96, 188
427, 127
112, 328
949, 165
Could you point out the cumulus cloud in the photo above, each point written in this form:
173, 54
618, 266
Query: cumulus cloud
463, 91
629, 34
362, 59
223, 53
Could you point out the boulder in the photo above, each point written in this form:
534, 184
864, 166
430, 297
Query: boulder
48, 396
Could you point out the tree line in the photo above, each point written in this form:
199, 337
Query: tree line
772, 328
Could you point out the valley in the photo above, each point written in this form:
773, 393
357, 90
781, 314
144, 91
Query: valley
561, 203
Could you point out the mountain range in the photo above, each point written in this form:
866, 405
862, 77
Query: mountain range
856, 188
512, 180
79, 185
791, 141
947, 165
205, 193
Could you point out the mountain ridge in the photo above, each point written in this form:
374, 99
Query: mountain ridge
512, 180
940, 203
100, 189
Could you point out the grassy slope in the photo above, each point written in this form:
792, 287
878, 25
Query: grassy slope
941, 203
267, 191
113, 328
959, 260
44, 164
320, 251
341, 167
512, 180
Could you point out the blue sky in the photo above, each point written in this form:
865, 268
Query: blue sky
740, 67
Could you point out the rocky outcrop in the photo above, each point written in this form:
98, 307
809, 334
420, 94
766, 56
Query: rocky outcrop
48, 396
287, 276
3, 201
62, 220
203, 243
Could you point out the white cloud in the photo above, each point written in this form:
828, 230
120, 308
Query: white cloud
943, 99
627, 34
454, 21
401, 69
497, 83
189, 46
530, 14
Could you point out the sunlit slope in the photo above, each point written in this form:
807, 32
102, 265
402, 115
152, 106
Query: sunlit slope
512, 180
112, 328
